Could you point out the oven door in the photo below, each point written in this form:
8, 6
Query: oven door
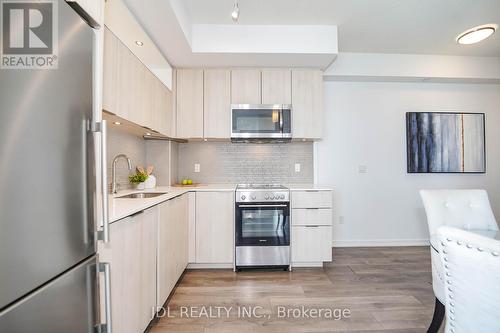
262, 224
260, 121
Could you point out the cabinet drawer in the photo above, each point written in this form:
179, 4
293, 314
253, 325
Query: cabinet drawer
312, 199
312, 216
311, 244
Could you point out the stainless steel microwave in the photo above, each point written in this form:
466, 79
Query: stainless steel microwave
261, 122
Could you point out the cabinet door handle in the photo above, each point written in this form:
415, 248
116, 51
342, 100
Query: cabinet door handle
312, 226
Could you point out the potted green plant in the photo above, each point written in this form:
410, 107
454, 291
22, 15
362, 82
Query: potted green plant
138, 179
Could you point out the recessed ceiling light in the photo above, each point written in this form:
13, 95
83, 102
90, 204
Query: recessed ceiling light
117, 123
476, 34
235, 14
139, 43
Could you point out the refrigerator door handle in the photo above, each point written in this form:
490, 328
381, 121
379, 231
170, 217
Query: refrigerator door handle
104, 233
106, 327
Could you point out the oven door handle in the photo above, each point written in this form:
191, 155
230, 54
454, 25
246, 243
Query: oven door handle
258, 206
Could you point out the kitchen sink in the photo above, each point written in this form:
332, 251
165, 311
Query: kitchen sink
142, 195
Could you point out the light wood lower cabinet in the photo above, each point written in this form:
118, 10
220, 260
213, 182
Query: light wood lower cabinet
311, 244
172, 244
214, 227
149, 232
150, 250
311, 217
132, 254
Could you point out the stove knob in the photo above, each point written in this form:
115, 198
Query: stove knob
243, 197
266, 196
282, 196
254, 197
272, 196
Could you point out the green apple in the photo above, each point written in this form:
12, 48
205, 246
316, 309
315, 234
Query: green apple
190, 182
184, 182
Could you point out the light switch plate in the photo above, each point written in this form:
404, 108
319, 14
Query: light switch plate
196, 167
362, 168
297, 167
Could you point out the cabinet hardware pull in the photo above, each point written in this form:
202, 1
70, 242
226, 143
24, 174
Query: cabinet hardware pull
138, 213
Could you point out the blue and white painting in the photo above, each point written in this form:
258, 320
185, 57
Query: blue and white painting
441, 142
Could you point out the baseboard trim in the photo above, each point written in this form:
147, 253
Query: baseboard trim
209, 266
307, 264
380, 242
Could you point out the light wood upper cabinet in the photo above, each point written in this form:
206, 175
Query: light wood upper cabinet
131, 91
217, 103
246, 86
276, 86
214, 227
162, 107
112, 74
307, 104
190, 103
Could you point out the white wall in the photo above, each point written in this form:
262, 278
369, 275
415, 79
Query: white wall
365, 125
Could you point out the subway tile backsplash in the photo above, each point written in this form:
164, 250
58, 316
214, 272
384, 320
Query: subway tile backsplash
226, 162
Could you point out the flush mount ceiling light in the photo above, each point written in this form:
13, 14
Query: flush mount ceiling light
148, 134
235, 14
139, 43
476, 34
117, 123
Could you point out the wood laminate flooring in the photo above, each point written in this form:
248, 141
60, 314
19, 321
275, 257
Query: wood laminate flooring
386, 289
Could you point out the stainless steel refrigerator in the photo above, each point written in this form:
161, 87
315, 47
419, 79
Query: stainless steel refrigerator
49, 271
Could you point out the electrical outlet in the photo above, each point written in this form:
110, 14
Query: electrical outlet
197, 167
362, 168
297, 167
341, 220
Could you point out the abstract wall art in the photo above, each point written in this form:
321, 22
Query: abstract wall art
441, 142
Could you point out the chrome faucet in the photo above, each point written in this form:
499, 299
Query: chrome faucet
113, 170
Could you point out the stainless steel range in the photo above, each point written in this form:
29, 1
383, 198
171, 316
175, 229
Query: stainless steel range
262, 226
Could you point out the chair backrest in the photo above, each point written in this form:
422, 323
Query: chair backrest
472, 273
463, 209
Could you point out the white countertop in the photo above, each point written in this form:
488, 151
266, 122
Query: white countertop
120, 208
308, 187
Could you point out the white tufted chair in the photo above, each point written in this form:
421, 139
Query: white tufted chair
463, 209
472, 268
